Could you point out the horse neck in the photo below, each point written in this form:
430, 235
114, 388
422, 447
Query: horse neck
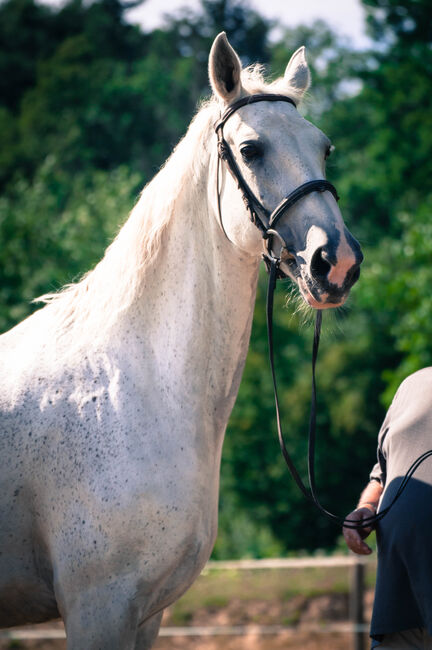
193, 316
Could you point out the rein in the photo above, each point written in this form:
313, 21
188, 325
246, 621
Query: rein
310, 493
266, 221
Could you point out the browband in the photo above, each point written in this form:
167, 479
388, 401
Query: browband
251, 99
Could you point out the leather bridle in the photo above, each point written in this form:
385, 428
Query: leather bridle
266, 222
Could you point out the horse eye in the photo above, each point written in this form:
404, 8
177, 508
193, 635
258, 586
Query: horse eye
250, 152
329, 150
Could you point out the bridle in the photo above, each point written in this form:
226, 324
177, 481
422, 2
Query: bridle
266, 222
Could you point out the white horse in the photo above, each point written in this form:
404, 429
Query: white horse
115, 396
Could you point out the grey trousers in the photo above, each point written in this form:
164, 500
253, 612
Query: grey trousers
415, 639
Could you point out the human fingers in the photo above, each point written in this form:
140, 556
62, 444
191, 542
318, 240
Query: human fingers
353, 536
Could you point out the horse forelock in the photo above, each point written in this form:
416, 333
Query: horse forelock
253, 80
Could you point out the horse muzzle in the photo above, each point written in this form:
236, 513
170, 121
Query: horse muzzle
325, 276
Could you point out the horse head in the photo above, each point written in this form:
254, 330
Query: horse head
277, 164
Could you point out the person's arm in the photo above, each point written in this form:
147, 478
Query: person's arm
367, 506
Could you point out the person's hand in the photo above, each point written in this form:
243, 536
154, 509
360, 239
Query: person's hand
354, 536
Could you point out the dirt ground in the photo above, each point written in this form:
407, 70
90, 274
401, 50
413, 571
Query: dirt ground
283, 641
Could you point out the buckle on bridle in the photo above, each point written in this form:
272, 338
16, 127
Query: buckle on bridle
269, 260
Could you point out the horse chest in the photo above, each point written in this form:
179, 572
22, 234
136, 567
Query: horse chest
131, 489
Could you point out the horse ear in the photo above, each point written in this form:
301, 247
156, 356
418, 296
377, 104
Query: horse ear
297, 74
224, 69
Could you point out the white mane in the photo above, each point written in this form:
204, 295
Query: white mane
94, 303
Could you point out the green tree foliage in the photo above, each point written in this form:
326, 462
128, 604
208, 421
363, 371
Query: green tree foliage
90, 106
400, 22
385, 131
64, 86
397, 286
100, 93
55, 228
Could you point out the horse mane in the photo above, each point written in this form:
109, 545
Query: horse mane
94, 303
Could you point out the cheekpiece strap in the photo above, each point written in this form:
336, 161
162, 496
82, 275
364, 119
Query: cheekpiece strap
251, 202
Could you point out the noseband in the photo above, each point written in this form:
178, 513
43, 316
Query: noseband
266, 222
264, 219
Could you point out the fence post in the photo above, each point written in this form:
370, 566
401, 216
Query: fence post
356, 605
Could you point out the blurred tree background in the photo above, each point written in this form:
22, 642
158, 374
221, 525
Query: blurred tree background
91, 106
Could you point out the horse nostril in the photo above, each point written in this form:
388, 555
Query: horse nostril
319, 266
354, 275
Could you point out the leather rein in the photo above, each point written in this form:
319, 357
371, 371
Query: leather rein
266, 222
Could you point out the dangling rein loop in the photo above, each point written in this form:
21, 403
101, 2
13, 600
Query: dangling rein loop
310, 492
